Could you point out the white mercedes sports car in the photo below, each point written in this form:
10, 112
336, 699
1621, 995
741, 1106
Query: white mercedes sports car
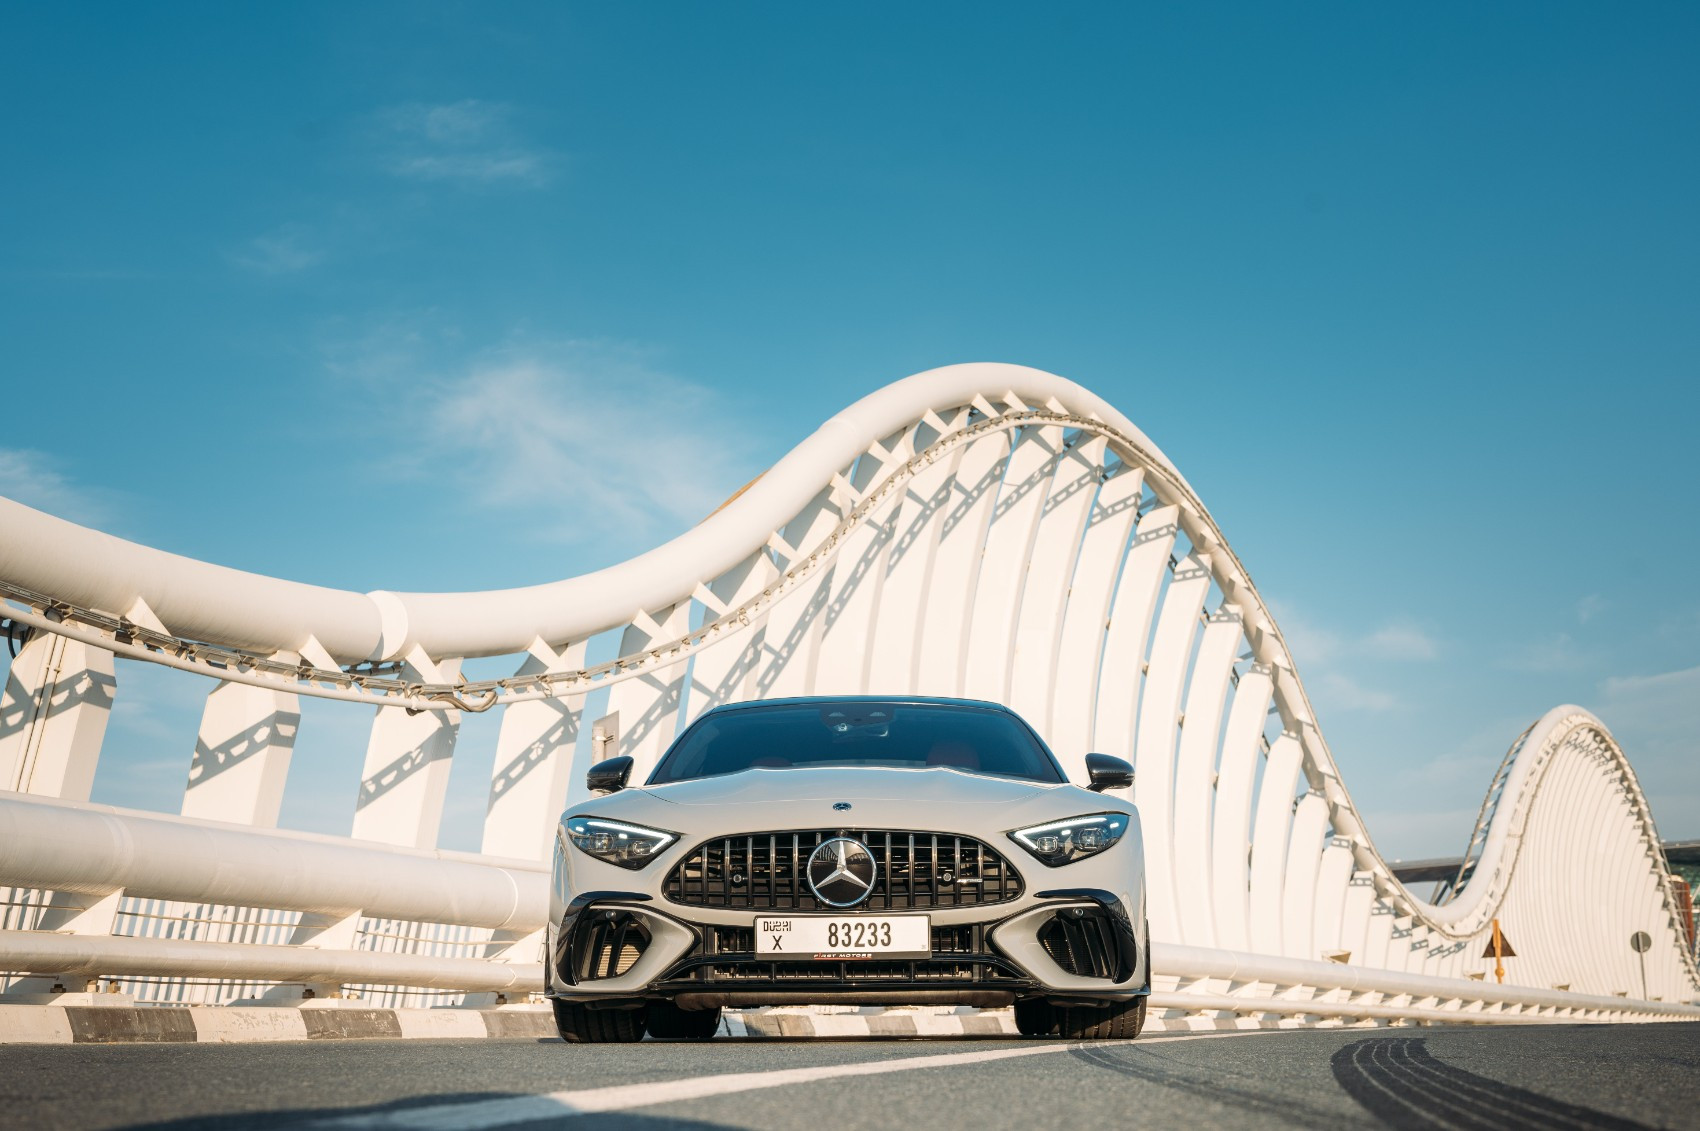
849, 851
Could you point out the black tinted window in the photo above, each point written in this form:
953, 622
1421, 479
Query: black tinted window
901, 735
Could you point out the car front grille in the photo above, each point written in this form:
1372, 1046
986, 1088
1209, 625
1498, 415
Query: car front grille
917, 870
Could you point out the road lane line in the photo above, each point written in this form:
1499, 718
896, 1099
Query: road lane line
478, 1115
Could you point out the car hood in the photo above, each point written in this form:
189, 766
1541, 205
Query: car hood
848, 783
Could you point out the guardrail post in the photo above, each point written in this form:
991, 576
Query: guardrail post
319, 932
70, 913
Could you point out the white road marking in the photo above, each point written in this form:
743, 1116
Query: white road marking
478, 1115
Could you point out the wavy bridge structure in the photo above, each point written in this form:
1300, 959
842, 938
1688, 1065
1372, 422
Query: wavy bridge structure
985, 530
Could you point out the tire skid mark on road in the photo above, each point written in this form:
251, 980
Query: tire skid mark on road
1403, 1084
479, 1115
1204, 1083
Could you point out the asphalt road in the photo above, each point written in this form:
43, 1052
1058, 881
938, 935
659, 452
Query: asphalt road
1500, 1078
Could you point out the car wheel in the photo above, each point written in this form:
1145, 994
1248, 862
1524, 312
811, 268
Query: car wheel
1120, 1020
580, 1025
665, 1020
1035, 1017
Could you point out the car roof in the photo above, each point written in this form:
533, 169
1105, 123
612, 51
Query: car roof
826, 700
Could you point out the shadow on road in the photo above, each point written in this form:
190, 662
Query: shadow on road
1399, 1082
329, 1118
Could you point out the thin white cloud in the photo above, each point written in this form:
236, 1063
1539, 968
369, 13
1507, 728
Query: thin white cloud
1666, 704
1309, 642
1315, 644
1343, 693
1460, 764
1338, 666
1656, 719
1589, 607
1555, 653
34, 479
586, 442
597, 444
466, 142
1402, 641
1403, 834
285, 251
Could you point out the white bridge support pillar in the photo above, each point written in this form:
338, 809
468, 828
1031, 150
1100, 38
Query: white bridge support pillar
1086, 617
1159, 726
957, 561
899, 630
1129, 626
1003, 566
1196, 775
1269, 843
53, 717
535, 763
726, 671
792, 629
242, 755
649, 705
406, 777
1060, 529
843, 660
1242, 745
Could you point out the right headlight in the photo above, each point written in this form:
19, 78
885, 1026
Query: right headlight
1063, 842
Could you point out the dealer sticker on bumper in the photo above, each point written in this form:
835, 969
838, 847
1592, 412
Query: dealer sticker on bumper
811, 937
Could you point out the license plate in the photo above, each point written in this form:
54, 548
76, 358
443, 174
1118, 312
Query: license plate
814, 937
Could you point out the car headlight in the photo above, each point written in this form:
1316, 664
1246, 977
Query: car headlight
1063, 842
614, 842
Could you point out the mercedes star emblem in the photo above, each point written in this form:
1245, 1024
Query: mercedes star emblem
842, 872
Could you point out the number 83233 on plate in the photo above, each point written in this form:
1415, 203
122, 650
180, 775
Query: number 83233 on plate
816, 937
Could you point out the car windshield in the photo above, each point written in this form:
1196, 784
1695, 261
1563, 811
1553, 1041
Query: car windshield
912, 736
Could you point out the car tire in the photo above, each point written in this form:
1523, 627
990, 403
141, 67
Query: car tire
1118, 1021
1036, 1017
664, 1020
581, 1025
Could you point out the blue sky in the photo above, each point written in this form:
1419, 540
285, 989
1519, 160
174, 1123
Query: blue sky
426, 296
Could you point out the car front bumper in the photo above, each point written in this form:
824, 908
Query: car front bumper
619, 949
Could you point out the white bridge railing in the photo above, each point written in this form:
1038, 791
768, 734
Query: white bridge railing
287, 885
983, 530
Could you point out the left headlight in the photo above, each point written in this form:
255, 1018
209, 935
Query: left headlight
615, 842
1063, 842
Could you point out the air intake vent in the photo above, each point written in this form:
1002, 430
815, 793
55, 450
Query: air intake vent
1083, 942
609, 946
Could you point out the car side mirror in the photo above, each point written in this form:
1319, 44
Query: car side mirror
610, 776
1106, 772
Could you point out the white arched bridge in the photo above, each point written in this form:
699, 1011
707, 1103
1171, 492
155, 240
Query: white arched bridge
983, 530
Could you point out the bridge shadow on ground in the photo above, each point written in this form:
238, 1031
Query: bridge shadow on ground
530, 1114
1402, 1084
